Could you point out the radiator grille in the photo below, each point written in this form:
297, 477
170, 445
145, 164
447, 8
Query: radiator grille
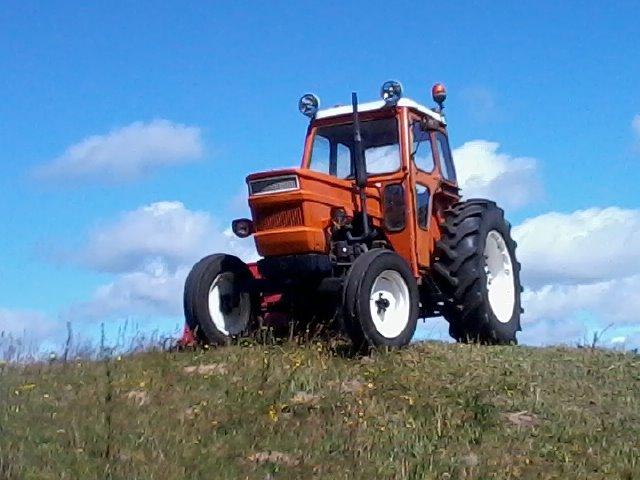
278, 217
272, 185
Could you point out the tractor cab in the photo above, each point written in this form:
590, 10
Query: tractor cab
405, 182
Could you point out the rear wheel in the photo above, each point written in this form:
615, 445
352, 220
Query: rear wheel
380, 300
477, 270
219, 303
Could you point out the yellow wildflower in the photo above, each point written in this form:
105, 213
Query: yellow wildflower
273, 413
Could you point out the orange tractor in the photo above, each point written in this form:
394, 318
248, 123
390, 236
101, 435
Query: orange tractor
371, 231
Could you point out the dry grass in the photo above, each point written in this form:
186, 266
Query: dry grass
430, 411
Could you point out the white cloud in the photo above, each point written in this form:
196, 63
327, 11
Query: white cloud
26, 333
610, 302
125, 154
162, 230
484, 172
19, 322
543, 332
152, 291
151, 249
582, 270
584, 246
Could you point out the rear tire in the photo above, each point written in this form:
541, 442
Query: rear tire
219, 302
380, 300
476, 269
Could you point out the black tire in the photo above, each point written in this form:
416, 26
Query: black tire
236, 295
357, 317
460, 272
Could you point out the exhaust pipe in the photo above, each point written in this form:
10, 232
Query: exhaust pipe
360, 171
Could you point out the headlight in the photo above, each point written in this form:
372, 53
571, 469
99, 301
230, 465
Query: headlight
391, 92
339, 216
242, 227
283, 183
309, 105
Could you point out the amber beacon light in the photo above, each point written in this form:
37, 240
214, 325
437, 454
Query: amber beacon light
439, 94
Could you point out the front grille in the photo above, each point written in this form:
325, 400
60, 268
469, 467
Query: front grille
274, 184
273, 218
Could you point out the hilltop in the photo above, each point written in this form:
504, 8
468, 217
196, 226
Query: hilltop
267, 412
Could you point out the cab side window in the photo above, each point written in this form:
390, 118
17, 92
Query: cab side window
422, 206
446, 162
343, 161
422, 153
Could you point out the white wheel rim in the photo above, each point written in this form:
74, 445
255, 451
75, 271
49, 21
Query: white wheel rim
499, 273
389, 304
229, 321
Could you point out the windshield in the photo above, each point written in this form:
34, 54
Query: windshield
333, 150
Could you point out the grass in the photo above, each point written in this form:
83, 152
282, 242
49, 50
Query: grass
433, 410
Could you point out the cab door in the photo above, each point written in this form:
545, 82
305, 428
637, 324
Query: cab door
447, 192
425, 185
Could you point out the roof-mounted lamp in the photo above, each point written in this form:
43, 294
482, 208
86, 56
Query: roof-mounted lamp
391, 92
439, 94
309, 105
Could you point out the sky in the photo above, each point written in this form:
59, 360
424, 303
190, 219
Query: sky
127, 128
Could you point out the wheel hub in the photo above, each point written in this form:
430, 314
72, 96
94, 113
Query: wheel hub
389, 304
382, 304
228, 302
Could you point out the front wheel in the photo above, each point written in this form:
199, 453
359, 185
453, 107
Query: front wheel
380, 300
219, 303
477, 270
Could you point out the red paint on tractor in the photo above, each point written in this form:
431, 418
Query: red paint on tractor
188, 339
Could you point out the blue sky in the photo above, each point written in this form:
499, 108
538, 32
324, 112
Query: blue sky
549, 91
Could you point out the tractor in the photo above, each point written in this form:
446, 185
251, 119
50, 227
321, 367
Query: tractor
370, 233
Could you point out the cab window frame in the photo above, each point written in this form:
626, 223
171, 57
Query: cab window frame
424, 227
308, 161
445, 164
430, 133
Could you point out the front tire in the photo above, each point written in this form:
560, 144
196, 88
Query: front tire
477, 271
380, 300
219, 302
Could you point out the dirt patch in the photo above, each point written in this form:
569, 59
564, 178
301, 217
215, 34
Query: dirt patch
305, 398
471, 460
190, 413
522, 419
138, 397
349, 386
275, 457
210, 369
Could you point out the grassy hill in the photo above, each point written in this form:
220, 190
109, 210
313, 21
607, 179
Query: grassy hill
267, 412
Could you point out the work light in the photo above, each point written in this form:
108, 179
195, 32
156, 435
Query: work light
309, 105
391, 92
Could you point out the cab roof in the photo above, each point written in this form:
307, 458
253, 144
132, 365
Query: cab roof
377, 105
